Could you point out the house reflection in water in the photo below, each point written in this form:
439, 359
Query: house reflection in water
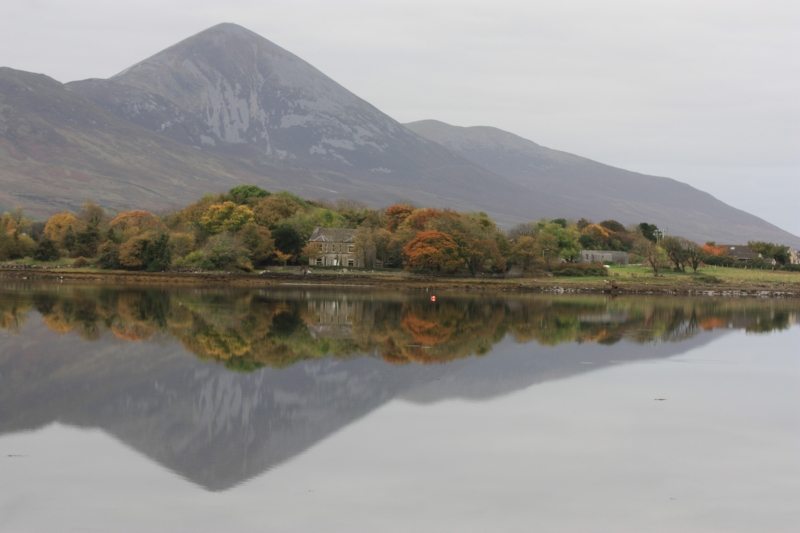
333, 319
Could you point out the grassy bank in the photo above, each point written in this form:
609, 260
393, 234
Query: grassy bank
631, 279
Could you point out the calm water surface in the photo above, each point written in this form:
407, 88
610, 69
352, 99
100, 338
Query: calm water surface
314, 410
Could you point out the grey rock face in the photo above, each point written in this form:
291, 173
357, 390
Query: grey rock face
231, 90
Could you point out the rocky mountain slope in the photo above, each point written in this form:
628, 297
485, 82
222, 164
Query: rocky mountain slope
58, 149
227, 106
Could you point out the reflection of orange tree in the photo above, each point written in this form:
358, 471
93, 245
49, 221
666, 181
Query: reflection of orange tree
437, 334
248, 330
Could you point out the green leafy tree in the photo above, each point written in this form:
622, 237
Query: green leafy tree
676, 249
108, 255
771, 251
651, 254
649, 231
694, 255
288, 240
157, 254
46, 250
247, 194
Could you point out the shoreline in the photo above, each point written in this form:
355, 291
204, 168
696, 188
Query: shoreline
401, 280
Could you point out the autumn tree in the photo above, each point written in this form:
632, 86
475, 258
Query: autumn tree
131, 223
225, 216
372, 244
419, 219
525, 253
59, 226
148, 251
258, 241
273, 209
397, 214
432, 251
477, 238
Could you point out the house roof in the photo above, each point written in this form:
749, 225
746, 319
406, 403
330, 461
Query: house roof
739, 251
333, 235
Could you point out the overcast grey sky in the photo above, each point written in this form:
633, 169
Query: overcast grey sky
704, 91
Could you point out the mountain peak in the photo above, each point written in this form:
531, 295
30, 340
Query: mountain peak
226, 34
230, 28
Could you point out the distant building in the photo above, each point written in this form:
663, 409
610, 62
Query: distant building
794, 256
604, 256
334, 247
739, 252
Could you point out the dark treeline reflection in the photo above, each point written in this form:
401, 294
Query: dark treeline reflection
250, 329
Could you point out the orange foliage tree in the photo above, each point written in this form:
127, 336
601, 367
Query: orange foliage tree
130, 223
432, 251
712, 249
397, 214
59, 225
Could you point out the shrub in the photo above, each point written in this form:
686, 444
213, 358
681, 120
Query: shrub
80, 262
580, 269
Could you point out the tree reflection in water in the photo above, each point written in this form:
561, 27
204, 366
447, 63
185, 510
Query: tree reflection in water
247, 330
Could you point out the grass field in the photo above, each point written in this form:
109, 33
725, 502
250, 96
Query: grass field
708, 275
625, 279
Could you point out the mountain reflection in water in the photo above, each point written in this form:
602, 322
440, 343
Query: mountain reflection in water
277, 371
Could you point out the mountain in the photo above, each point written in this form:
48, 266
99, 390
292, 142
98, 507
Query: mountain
227, 106
231, 92
58, 149
566, 185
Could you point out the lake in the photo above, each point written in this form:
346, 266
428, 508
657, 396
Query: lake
308, 410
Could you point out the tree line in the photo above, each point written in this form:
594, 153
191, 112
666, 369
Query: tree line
248, 228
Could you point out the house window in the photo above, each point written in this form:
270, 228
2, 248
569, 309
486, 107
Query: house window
350, 248
319, 261
351, 263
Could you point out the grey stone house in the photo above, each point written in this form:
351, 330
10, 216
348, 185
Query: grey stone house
604, 256
334, 247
